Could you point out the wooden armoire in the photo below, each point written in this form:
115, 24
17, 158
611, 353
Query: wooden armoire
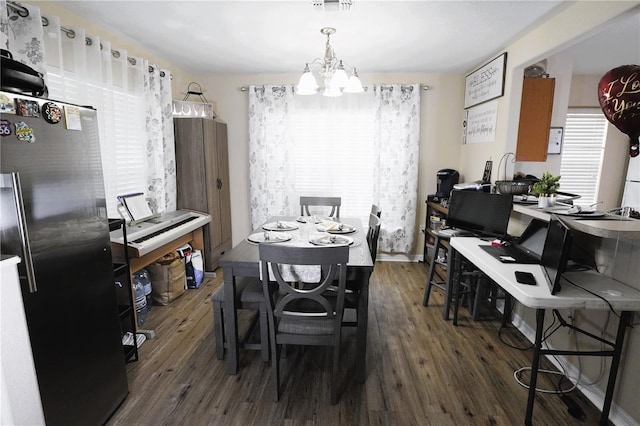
202, 174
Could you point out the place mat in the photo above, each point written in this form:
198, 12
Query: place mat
330, 240
336, 227
268, 237
280, 226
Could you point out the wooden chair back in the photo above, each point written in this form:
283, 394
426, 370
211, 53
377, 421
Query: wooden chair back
333, 202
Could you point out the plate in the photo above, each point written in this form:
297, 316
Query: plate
331, 228
565, 212
268, 237
280, 226
331, 240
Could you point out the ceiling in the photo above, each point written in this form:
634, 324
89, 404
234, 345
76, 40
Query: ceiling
250, 37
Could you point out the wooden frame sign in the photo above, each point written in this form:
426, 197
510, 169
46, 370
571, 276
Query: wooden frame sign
485, 83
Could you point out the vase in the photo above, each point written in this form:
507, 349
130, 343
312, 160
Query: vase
544, 202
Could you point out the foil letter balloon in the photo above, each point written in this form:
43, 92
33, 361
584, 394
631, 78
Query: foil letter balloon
619, 97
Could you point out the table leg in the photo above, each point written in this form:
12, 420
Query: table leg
456, 272
625, 317
230, 320
361, 332
535, 365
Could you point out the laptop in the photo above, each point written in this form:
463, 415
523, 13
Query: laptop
528, 247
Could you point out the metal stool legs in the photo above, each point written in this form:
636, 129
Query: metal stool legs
432, 281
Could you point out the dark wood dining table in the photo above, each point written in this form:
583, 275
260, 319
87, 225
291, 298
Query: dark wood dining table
243, 261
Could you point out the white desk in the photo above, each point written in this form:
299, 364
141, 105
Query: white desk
540, 298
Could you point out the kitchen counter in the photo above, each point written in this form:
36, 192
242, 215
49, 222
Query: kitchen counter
626, 229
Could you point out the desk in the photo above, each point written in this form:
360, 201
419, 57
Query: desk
539, 297
243, 261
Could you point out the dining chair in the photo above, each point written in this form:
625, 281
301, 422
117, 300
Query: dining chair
333, 202
376, 210
304, 316
352, 293
249, 295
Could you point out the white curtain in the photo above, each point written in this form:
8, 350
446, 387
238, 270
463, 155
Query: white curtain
270, 165
313, 144
132, 97
397, 143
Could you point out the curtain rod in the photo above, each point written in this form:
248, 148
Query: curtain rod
422, 86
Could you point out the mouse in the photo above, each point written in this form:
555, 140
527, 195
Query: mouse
611, 292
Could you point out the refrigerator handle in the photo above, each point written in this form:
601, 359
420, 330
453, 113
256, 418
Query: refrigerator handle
24, 234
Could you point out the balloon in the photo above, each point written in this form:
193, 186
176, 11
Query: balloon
619, 97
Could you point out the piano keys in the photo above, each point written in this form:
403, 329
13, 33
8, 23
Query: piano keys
145, 237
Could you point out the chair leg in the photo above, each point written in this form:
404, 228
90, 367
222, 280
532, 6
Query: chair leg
218, 329
335, 365
432, 270
264, 333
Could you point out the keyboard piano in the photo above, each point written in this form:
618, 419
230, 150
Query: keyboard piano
144, 237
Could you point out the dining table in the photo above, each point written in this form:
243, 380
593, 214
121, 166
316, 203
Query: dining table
243, 261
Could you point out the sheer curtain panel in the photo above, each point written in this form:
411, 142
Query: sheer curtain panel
397, 144
132, 97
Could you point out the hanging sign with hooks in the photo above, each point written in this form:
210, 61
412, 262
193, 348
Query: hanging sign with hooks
189, 109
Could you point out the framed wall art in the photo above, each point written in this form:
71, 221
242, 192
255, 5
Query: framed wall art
485, 83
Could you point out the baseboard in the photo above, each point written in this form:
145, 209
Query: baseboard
400, 257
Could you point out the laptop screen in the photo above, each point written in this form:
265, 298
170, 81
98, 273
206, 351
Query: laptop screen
532, 239
556, 252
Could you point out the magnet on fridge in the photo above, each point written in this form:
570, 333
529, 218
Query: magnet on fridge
27, 108
72, 117
5, 127
24, 132
7, 105
51, 112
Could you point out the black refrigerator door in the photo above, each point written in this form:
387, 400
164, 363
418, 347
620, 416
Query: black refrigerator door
71, 307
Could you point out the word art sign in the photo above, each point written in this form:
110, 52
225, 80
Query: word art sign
485, 83
186, 109
481, 123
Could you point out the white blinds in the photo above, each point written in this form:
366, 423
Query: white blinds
333, 150
583, 145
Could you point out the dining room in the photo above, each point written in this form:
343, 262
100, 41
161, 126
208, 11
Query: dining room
377, 140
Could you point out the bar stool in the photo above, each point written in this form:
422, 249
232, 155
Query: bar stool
432, 281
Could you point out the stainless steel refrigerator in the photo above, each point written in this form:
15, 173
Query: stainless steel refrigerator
54, 217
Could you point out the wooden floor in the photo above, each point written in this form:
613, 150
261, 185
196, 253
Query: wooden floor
421, 370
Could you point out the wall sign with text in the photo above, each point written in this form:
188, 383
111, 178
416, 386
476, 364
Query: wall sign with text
485, 83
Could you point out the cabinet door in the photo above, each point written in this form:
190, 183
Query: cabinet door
191, 173
224, 193
535, 119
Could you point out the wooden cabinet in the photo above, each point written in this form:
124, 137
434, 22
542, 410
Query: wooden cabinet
202, 174
535, 119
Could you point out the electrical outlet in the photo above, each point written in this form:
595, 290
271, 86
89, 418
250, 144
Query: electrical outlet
422, 228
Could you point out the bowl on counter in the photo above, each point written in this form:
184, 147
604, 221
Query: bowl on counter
513, 187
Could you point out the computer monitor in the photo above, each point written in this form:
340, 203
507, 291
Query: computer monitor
532, 239
555, 254
481, 213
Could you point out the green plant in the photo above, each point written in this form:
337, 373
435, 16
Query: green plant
547, 186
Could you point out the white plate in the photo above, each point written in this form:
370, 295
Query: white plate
303, 219
331, 240
268, 237
280, 226
346, 229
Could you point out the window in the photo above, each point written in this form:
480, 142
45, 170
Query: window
121, 122
584, 139
333, 150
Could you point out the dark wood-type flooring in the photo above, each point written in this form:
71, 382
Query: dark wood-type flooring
421, 370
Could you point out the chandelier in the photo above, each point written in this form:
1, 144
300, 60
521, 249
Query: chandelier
332, 70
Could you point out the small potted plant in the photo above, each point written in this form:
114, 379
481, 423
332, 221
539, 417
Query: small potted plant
545, 189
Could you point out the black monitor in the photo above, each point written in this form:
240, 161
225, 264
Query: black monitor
532, 239
481, 213
555, 254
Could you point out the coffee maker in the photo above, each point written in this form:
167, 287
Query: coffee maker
446, 179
